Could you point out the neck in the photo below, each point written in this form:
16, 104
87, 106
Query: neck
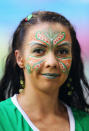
41, 102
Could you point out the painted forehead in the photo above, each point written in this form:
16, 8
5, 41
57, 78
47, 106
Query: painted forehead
48, 37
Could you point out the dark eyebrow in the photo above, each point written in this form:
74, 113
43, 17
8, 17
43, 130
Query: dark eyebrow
36, 43
64, 43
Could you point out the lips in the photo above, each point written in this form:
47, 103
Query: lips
50, 75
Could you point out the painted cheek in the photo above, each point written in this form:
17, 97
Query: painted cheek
65, 64
35, 63
28, 67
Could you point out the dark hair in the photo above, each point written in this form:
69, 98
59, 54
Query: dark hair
10, 83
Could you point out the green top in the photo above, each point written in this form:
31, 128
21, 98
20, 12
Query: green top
81, 120
11, 118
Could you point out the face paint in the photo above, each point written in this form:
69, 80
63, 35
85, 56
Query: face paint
34, 63
49, 39
28, 68
64, 43
65, 64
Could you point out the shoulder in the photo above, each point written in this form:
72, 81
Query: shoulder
78, 114
81, 119
6, 107
6, 104
7, 113
11, 118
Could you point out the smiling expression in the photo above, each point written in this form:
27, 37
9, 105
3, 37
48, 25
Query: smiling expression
46, 55
42, 42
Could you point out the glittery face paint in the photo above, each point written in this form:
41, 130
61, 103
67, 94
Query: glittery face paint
47, 41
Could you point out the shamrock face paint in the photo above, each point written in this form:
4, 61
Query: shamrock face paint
43, 42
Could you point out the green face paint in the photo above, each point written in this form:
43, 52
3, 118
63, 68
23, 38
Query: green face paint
65, 64
28, 68
49, 40
50, 37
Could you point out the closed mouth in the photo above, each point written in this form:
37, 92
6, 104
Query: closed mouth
51, 75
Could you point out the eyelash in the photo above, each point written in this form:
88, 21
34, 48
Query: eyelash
62, 52
38, 51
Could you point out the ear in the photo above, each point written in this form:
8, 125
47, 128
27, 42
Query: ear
19, 58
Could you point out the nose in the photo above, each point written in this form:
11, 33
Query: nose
51, 60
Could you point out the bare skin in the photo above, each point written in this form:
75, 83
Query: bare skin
39, 99
46, 115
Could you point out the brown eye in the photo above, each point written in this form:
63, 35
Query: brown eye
38, 51
62, 52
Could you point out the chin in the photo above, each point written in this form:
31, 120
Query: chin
49, 86
46, 84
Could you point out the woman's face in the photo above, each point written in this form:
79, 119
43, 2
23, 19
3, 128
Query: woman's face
47, 55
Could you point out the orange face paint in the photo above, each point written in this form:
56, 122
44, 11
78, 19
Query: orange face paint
50, 40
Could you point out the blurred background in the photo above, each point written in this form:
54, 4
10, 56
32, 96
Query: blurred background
13, 11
